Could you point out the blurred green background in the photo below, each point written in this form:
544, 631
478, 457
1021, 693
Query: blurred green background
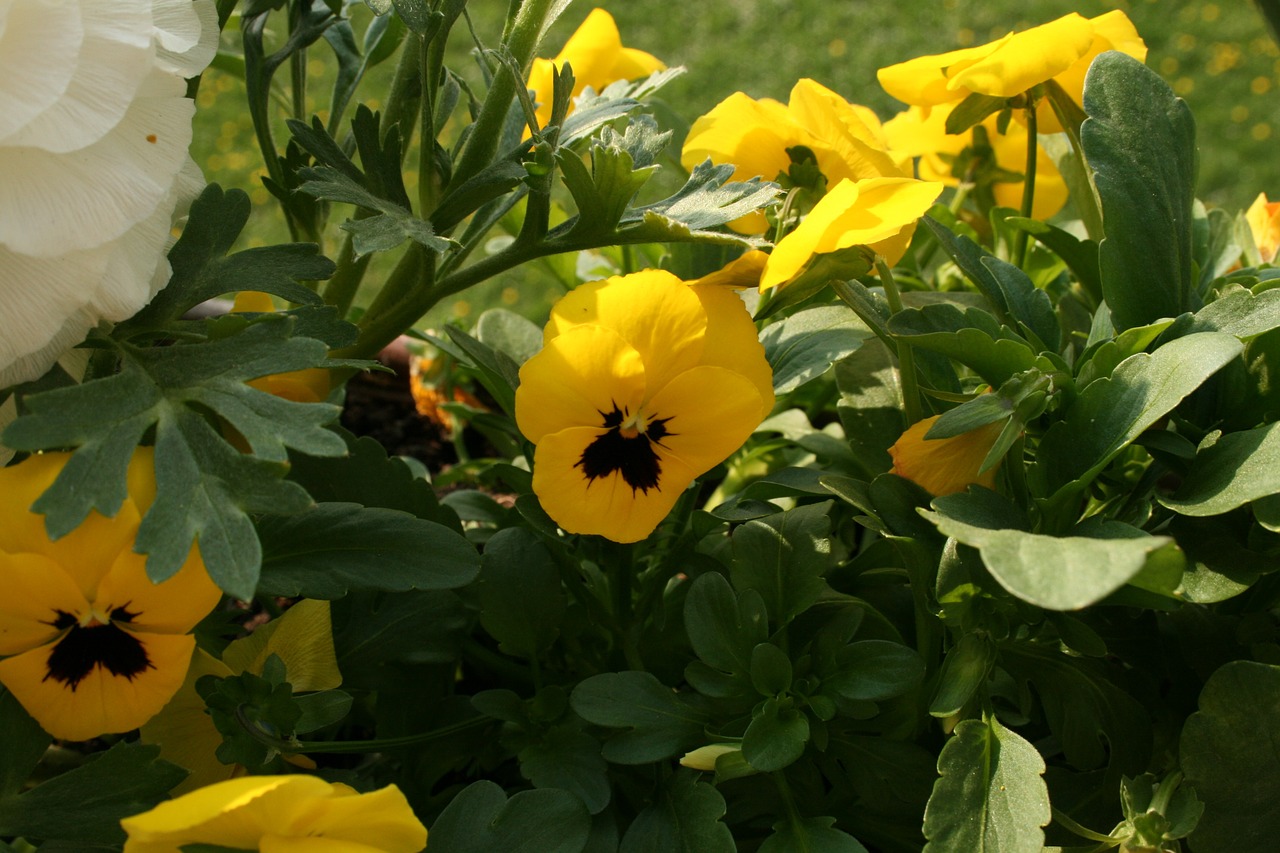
1219, 56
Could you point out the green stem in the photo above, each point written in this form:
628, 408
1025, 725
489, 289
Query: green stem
298, 66
355, 746
340, 290
405, 97
1028, 185
788, 799
1083, 831
906, 358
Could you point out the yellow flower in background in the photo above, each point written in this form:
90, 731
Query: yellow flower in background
914, 133
742, 272
301, 386
880, 213
94, 169
644, 382
1264, 223
944, 466
846, 139
1060, 50
596, 54
92, 646
280, 814
302, 638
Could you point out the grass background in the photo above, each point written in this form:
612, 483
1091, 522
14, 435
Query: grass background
1219, 56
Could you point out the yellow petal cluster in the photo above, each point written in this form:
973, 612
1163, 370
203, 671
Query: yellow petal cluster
922, 133
644, 382
880, 213
944, 466
1264, 223
302, 638
91, 646
280, 814
597, 57
1060, 50
846, 139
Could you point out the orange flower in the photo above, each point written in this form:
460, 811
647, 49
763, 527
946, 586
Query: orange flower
944, 466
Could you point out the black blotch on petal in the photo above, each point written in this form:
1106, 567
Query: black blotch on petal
631, 456
84, 648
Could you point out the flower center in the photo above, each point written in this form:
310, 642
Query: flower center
96, 643
627, 447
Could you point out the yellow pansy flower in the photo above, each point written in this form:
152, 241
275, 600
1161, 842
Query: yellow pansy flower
303, 640
91, 645
846, 139
944, 466
880, 213
596, 54
280, 814
1060, 50
644, 382
301, 386
923, 133
1264, 223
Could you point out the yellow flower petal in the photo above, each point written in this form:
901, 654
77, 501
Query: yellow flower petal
850, 147
1029, 58
751, 134
173, 606
607, 505
1111, 31
871, 212
944, 466
578, 378
651, 310
1263, 217
732, 340
303, 640
380, 818
742, 272
186, 734
101, 702
925, 81
710, 412
35, 590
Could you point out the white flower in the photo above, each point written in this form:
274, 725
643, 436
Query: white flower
94, 132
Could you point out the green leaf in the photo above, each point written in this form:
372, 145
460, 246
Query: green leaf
723, 629
1241, 313
568, 758
1057, 573
770, 670
510, 333
480, 819
370, 629
1140, 142
990, 797
521, 598
498, 372
810, 835
783, 558
658, 722
972, 110
970, 257
1110, 413
1230, 755
321, 709
1238, 468
1080, 256
964, 670
334, 548
603, 193
870, 407
872, 670
87, 803
776, 736
23, 744
685, 817
706, 202
972, 337
805, 345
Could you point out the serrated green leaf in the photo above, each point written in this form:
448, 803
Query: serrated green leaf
810, 835
480, 819
334, 548
499, 373
1080, 256
973, 338
658, 722
1239, 468
1240, 313
990, 797
87, 803
804, 346
1028, 304
684, 818
1230, 756
1140, 142
1110, 413
706, 202
603, 193
568, 758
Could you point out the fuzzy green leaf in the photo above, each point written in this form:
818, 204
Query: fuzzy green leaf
684, 818
783, 558
480, 819
657, 722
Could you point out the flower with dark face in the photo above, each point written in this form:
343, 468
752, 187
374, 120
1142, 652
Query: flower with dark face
644, 382
92, 646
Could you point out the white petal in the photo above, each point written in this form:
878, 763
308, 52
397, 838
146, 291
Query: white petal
186, 35
37, 58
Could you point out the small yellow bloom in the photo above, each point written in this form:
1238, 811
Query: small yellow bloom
923, 133
1060, 50
944, 466
846, 139
880, 213
644, 382
92, 646
280, 814
1264, 222
301, 386
597, 57
704, 758
303, 640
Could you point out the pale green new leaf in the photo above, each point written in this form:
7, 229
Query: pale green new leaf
990, 797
